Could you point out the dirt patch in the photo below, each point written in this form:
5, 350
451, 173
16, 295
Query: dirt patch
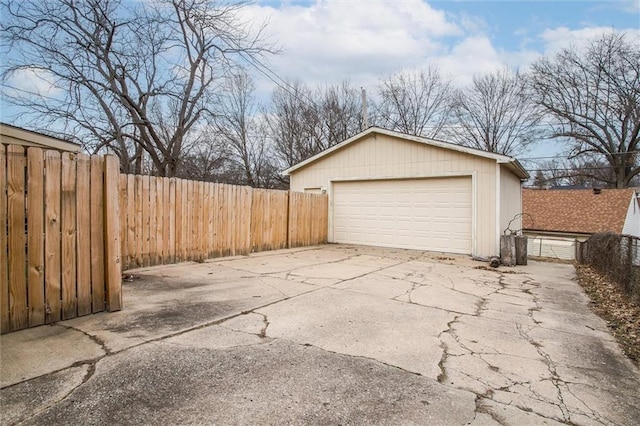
621, 314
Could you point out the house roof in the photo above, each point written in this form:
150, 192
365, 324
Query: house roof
580, 211
17, 135
513, 164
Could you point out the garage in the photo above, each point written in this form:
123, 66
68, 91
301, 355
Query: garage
391, 189
425, 214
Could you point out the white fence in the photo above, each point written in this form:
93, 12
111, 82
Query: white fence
551, 247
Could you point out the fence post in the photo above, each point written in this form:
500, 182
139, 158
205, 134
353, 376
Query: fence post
113, 265
16, 192
579, 251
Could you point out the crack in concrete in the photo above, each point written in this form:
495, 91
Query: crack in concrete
354, 356
480, 408
480, 306
502, 421
555, 378
261, 278
92, 337
445, 349
91, 368
593, 415
489, 394
263, 332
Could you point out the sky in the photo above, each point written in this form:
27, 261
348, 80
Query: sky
327, 41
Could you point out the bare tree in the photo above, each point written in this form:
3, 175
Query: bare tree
304, 122
206, 159
584, 172
339, 111
495, 114
414, 102
594, 99
241, 128
291, 108
130, 75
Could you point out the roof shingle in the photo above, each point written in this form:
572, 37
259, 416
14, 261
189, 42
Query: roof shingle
575, 210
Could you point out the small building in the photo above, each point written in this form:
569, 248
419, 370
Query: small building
12, 135
555, 219
395, 190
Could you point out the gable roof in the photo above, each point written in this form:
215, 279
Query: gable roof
18, 136
575, 210
513, 164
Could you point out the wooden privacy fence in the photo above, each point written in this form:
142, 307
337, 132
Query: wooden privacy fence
172, 220
59, 247
69, 223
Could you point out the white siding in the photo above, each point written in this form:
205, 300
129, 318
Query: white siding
555, 248
632, 221
510, 200
378, 156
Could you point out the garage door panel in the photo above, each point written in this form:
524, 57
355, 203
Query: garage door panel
426, 214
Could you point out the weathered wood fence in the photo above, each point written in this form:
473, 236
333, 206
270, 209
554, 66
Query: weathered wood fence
69, 224
166, 220
59, 248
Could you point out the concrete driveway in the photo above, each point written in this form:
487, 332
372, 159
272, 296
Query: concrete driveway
328, 335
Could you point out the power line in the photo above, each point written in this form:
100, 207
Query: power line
556, 157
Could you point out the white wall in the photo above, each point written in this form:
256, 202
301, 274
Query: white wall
556, 248
510, 200
632, 222
379, 156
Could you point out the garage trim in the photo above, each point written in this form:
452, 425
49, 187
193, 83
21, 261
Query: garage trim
474, 197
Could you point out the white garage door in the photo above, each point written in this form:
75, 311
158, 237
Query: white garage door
423, 214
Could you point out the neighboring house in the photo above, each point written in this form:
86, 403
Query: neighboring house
555, 219
395, 190
12, 135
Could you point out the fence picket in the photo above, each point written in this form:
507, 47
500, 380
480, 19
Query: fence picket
130, 212
52, 237
83, 233
113, 266
153, 216
178, 222
138, 234
35, 235
159, 220
5, 324
122, 201
172, 220
68, 225
96, 200
19, 314
146, 219
166, 202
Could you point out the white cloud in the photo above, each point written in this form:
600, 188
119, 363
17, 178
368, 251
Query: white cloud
474, 55
556, 39
32, 81
333, 40
631, 6
328, 41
